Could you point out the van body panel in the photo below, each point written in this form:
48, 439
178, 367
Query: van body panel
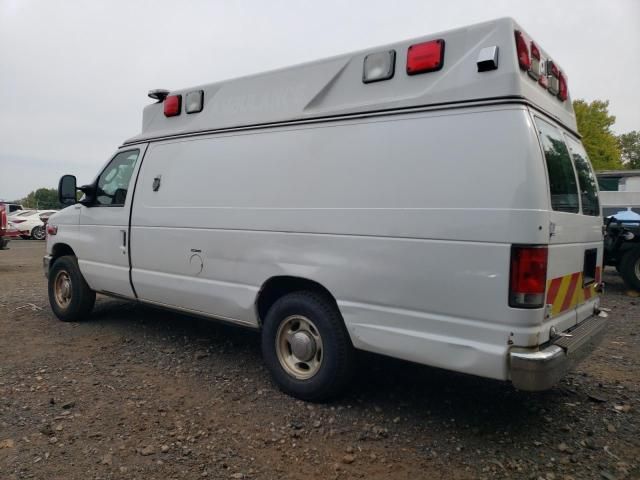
391, 247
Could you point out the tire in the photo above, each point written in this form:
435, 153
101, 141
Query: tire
38, 233
3, 243
70, 297
630, 268
327, 350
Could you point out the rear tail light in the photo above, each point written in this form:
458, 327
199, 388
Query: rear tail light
172, 105
17, 221
3, 219
523, 52
52, 229
528, 277
425, 57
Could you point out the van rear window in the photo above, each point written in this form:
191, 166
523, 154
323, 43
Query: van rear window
562, 179
586, 179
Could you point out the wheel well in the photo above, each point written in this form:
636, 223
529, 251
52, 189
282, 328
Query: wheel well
276, 287
59, 250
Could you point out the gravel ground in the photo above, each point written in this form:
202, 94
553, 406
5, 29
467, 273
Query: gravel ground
138, 393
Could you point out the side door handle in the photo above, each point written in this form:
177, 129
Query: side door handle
123, 246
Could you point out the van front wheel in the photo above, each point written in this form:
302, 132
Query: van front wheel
306, 346
70, 297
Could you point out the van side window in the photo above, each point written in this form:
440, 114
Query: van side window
562, 179
113, 182
586, 179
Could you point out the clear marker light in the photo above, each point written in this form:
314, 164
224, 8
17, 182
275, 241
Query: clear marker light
194, 101
379, 66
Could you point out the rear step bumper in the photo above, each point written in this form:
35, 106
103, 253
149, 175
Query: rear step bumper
541, 369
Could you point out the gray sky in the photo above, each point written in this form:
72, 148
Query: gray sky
74, 74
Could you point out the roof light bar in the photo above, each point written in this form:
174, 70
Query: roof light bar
545, 71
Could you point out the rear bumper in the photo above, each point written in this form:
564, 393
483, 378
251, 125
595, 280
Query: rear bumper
540, 369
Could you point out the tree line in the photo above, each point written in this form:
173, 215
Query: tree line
41, 199
606, 150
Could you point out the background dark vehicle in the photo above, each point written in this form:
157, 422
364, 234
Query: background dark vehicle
622, 249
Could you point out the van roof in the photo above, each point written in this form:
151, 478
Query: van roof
334, 87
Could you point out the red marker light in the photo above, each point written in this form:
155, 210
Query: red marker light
425, 57
172, 105
563, 89
523, 51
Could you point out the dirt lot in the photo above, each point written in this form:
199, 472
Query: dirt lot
144, 394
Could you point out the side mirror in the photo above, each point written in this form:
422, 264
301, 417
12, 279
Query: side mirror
67, 190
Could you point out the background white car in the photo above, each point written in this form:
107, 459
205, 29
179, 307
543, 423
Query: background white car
29, 223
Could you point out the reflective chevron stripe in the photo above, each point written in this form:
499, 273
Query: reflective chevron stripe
567, 292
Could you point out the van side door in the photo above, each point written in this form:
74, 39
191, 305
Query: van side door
103, 247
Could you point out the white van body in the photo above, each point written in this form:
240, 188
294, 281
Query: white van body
402, 199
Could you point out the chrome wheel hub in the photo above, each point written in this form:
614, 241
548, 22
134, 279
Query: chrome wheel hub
303, 346
62, 289
299, 347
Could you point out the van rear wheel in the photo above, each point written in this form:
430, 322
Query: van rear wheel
306, 346
70, 297
630, 268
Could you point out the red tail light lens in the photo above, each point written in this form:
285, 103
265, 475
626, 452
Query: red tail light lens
172, 105
3, 219
425, 57
527, 282
52, 229
523, 52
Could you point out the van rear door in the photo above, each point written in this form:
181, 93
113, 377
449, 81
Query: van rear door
575, 243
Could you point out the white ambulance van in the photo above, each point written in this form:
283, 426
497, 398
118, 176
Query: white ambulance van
428, 200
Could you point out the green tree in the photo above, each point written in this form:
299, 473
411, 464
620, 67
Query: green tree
594, 124
42, 198
629, 144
